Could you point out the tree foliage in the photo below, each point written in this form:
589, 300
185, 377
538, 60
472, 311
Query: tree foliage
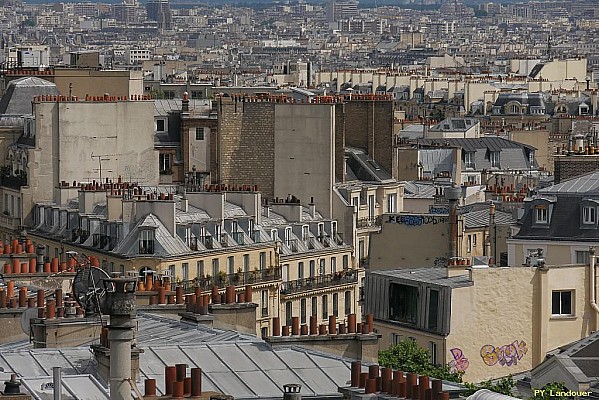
503, 386
407, 356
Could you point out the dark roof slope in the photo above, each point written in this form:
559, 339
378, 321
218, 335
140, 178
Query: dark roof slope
20, 92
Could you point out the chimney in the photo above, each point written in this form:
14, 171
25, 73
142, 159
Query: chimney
120, 305
184, 204
291, 391
185, 103
312, 208
12, 386
453, 194
492, 233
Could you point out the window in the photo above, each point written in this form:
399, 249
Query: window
314, 306
371, 206
345, 261
469, 159
172, 271
474, 240
432, 349
348, 302
300, 270
264, 303
264, 332
200, 268
146, 242
541, 215
262, 260
305, 232
274, 235
288, 313
303, 311
403, 303
561, 302
494, 158
395, 339
160, 125
230, 265
312, 268
164, 160
355, 201
433, 310
185, 271
199, 133
246, 263
215, 267
469, 244
392, 203
336, 304
325, 307
288, 236
589, 215
582, 257
322, 268
333, 265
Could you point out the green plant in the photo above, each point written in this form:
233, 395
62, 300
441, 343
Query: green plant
407, 356
503, 386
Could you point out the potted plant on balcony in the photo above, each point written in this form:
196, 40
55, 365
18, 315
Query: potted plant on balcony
221, 277
237, 276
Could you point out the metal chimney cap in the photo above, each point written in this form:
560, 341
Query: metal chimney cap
453, 193
292, 388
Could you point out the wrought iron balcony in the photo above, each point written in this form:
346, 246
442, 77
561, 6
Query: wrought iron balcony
238, 279
369, 222
322, 281
13, 181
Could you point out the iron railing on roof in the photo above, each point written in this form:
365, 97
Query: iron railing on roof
239, 278
322, 281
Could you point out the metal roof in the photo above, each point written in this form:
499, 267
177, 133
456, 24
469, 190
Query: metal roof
434, 275
586, 184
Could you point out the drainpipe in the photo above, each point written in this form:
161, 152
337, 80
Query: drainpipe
593, 287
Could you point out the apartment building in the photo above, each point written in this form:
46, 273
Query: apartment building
560, 221
487, 322
289, 253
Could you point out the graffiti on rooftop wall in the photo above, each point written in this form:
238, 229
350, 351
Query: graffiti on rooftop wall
417, 220
506, 355
459, 362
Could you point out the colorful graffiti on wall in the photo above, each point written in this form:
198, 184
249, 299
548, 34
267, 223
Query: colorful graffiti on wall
459, 362
506, 355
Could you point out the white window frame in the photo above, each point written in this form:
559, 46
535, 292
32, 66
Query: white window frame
561, 313
541, 215
589, 215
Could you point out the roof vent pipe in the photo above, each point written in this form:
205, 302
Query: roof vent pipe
12, 386
312, 208
57, 383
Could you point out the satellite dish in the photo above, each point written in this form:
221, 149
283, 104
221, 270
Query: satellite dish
26, 317
89, 288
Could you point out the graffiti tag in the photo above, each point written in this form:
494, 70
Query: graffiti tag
417, 220
438, 210
506, 355
459, 362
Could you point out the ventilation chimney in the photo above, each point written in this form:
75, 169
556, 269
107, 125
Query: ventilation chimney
312, 208
13, 386
291, 391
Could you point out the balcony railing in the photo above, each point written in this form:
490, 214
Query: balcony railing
322, 281
369, 222
238, 279
6, 221
13, 181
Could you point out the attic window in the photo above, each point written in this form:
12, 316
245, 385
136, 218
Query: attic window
146, 242
589, 215
541, 215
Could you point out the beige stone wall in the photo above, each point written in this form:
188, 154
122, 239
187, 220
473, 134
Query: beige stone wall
304, 158
496, 312
392, 333
410, 241
97, 83
554, 252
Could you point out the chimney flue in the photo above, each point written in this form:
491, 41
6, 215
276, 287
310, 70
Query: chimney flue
57, 381
291, 391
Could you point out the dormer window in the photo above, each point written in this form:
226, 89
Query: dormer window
288, 235
469, 159
146, 242
274, 235
541, 215
494, 158
589, 215
305, 232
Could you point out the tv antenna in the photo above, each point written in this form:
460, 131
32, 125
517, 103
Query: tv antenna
104, 157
